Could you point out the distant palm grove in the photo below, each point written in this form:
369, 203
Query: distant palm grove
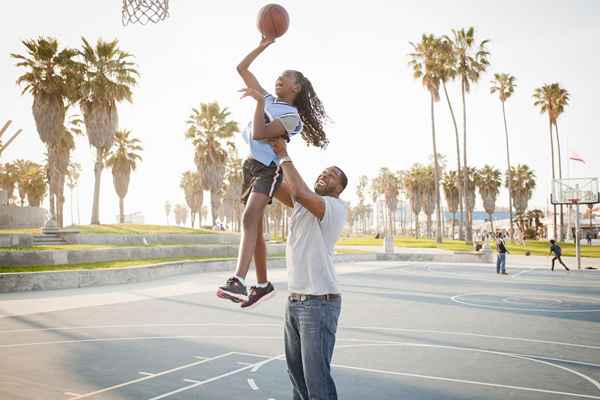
77, 91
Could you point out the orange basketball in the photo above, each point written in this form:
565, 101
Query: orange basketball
273, 20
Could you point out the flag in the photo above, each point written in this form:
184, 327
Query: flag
576, 157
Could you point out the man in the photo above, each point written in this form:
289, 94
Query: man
555, 248
314, 303
501, 258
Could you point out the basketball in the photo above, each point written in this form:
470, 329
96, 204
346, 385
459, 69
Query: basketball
273, 20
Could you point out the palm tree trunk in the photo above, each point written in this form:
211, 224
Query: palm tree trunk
510, 213
562, 218
416, 226
121, 210
214, 206
453, 223
553, 172
97, 176
491, 223
429, 235
71, 203
461, 235
469, 227
436, 174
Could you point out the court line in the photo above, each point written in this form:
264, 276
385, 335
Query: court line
376, 328
131, 382
252, 384
200, 383
146, 373
521, 273
457, 297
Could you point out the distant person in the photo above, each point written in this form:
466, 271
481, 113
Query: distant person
589, 238
555, 249
501, 258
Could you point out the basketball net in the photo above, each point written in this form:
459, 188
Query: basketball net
144, 11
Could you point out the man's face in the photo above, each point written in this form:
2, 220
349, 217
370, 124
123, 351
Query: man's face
329, 182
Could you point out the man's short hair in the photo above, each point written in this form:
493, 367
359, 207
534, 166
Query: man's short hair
344, 178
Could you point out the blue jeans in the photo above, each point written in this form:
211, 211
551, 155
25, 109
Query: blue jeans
310, 328
501, 263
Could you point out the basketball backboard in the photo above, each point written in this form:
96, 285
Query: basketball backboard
575, 190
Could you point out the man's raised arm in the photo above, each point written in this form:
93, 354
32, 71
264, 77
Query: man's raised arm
296, 187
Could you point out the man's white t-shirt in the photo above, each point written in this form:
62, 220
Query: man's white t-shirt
311, 246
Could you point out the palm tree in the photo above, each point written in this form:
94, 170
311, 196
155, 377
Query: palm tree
488, 180
504, 85
191, 183
23, 169
73, 175
108, 78
233, 190
425, 62
122, 160
52, 77
521, 182
551, 99
450, 184
412, 182
472, 61
469, 178
210, 130
35, 185
561, 100
427, 187
374, 191
168, 210
8, 180
389, 185
448, 71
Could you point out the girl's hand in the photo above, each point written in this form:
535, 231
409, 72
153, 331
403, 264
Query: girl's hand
251, 92
266, 42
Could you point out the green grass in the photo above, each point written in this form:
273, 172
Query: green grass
87, 247
351, 251
136, 229
535, 247
20, 231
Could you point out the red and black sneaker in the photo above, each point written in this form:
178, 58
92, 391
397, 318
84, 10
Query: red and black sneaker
259, 295
233, 290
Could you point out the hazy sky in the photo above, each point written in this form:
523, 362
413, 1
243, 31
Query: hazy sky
355, 53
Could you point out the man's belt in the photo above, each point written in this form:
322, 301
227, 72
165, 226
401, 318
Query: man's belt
304, 297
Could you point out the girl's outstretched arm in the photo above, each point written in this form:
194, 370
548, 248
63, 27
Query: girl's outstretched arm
242, 68
260, 129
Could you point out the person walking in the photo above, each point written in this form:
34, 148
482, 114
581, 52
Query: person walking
589, 238
501, 257
314, 303
556, 250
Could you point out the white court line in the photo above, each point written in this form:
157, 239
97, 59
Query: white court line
72, 394
521, 273
439, 378
190, 381
252, 384
243, 363
457, 299
146, 373
82, 396
200, 383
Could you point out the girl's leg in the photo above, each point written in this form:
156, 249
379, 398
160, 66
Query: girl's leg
260, 255
252, 217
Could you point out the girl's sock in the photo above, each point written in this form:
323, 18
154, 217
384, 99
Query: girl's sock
262, 285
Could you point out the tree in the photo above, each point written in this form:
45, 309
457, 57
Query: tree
388, 184
8, 180
450, 184
107, 78
167, 210
447, 69
561, 100
191, 183
413, 182
425, 62
472, 61
233, 190
504, 85
35, 185
122, 160
488, 180
210, 130
73, 175
23, 169
468, 177
52, 77
521, 182
427, 187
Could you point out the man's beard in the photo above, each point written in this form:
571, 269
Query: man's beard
321, 190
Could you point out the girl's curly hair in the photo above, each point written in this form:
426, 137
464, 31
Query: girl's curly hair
312, 113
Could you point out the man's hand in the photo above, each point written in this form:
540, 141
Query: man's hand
279, 146
252, 92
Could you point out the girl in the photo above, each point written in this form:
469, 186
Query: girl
295, 109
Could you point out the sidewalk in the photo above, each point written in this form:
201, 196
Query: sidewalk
533, 261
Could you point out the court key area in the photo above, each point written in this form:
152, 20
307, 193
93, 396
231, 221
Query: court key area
407, 331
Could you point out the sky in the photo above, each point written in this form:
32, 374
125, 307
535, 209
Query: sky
355, 54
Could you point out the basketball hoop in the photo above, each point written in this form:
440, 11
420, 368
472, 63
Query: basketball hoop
144, 11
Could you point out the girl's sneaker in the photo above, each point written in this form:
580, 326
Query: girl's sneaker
259, 295
233, 290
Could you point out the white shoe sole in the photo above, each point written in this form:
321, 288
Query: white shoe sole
262, 300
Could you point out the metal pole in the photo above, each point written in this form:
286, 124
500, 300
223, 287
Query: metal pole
577, 246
